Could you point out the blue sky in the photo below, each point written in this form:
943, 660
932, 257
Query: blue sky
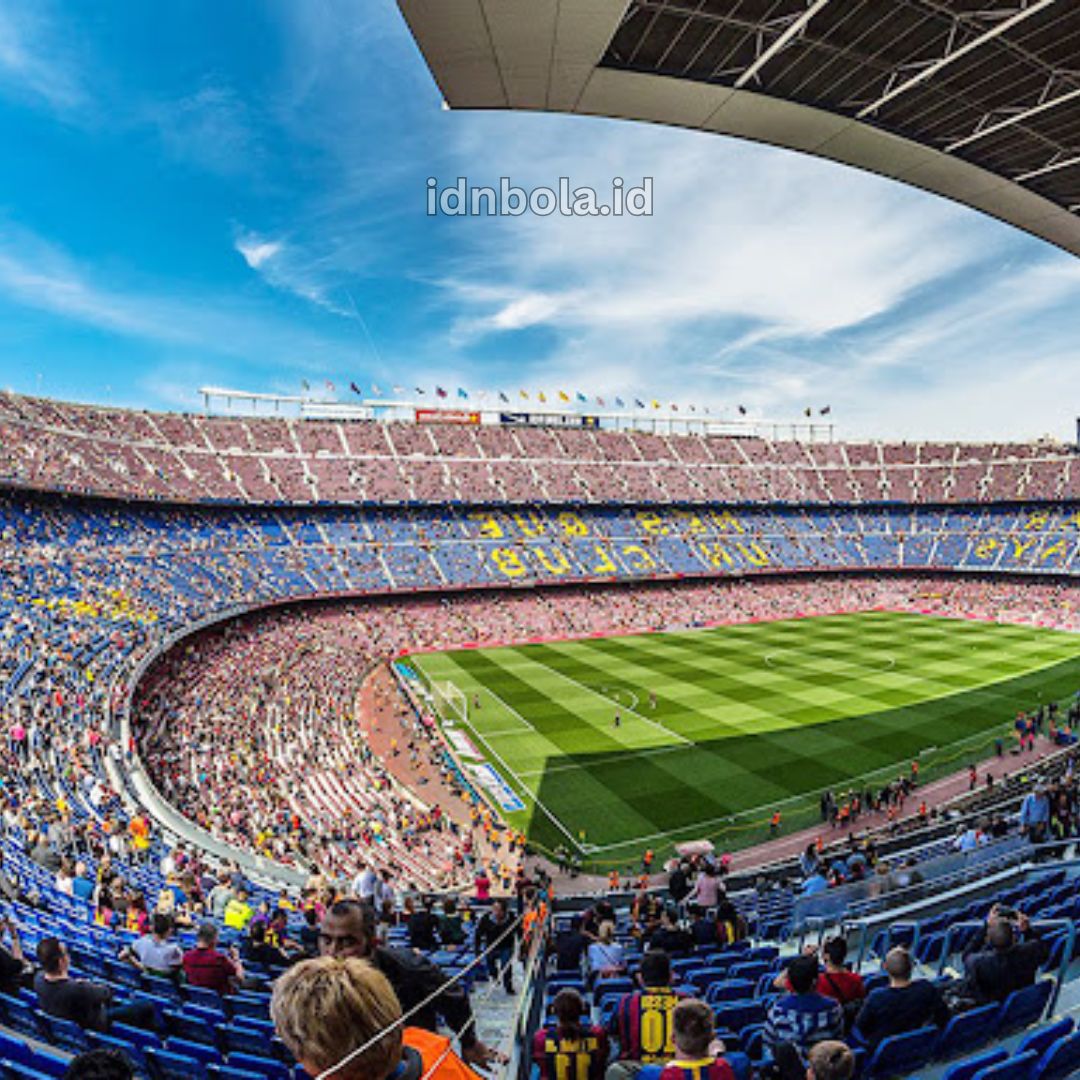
235, 194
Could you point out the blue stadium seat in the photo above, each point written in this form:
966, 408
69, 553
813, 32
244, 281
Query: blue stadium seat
133, 1052
1018, 1067
900, 1054
738, 1014
17, 1071
1060, 1060
65, 1034
730, 990
200, 1051
14, 1049
967, 1032
166, 1066
1024, 1007
266, 1067
48, 1062
1042, 1038
966, 1069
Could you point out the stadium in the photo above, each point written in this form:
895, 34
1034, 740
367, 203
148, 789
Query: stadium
556, 739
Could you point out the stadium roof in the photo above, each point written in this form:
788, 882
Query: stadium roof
976, 100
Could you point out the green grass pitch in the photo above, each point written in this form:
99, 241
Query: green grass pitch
747, 718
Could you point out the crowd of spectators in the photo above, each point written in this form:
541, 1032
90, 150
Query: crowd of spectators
141, 455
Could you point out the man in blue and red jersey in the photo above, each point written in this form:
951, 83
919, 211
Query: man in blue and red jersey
697, 1050
570, 1049
642, 1021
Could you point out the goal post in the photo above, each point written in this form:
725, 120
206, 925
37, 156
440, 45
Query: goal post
451, 702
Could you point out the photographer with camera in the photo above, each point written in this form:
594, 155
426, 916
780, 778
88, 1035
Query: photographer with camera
1009, 957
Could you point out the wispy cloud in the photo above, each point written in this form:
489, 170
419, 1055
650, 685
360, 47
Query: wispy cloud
37, 60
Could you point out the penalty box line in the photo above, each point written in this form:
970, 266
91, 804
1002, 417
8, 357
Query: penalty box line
618, 705
524, 788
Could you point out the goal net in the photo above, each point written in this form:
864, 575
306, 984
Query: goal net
450, 701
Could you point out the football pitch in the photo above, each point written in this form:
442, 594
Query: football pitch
719, 727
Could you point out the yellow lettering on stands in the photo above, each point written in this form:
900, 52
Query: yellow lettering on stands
553, 560
605, 566
509, 562
754, 553
490, 529
572, 525
652, 523
531, 524
642, 559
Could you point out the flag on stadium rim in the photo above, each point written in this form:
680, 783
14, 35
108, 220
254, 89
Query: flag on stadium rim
639, 403
440, 392
503, 397
563, 395
356, 389
620, 403
655, 404
461, 393
524, 394
826, 410
329, 386
399, 389
418, 389
376, 390
305, 384
541, 397
582, 398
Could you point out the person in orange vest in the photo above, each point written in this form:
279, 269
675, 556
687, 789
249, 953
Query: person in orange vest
342, 1015
613, 881
774, 824
647, 861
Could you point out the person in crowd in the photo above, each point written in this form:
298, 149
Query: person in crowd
496, 935
570, 1047
830, 1060
423, 926
1009, 960
569, 946
698, 1053
906, 1004
101, 1064
348, 930
835, 979
606, 957
88, 1004
258, 950
642, 1021
679, 882
1035, 815
707, 888
670, 936
451, 925
309, 932
238, 912
340, 1015
804, 1016
155, 952
15, 969
205, 965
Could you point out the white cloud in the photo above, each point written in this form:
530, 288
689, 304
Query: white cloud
257, 251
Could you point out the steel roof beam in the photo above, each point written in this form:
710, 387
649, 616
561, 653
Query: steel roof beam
954, 55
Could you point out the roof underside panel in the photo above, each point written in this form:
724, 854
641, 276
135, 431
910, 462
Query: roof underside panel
978, 100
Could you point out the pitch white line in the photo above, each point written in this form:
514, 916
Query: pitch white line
613, 759
524, 788
617, 704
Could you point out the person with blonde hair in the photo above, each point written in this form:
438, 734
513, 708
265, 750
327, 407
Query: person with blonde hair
605, 955
340, 1017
